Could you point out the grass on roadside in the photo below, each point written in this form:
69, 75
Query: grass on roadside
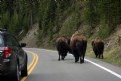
112, 56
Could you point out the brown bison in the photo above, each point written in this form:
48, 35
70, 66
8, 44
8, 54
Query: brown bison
98, 47
62, 45
78, 44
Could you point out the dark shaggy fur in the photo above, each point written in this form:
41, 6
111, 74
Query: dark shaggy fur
62, 47
78, 46
98, 47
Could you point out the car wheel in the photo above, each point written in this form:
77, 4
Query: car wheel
16, 74
24, 71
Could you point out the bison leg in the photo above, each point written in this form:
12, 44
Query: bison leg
96, 54
59, 57
83, 56
102, 56
76, 58
81, 59
62, 57
99, 56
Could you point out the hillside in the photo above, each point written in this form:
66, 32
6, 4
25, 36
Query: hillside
31, 37
113, 47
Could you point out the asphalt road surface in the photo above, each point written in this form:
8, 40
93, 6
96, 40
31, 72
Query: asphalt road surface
48, 68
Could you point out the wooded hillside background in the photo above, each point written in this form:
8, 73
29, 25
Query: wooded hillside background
61, 17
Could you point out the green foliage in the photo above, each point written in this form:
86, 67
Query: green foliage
47, 16
104, 13
113, 56
104, 30
13, 24
91, 13
71, 25
18, 15
4, 20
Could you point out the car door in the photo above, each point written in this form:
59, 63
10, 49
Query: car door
1, 50
12, 42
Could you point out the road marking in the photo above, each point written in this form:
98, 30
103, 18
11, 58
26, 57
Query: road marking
29, 67
32, 65
104, 68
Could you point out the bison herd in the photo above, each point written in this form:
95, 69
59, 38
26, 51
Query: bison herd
77, 46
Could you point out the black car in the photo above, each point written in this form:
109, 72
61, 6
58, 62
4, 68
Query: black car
13, 59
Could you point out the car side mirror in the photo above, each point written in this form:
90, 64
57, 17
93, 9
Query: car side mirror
22, 44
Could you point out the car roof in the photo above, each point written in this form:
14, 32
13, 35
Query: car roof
3, 31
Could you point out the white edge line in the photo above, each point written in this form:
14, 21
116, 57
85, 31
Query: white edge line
104, 68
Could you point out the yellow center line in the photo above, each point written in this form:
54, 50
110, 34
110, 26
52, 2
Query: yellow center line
29, 67
32, 65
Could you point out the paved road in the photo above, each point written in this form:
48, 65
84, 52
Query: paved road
50, 69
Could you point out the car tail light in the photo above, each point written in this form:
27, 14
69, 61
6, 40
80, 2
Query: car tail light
7, 52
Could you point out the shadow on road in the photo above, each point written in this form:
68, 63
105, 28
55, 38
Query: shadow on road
5, 79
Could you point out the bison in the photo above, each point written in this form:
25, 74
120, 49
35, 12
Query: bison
98, 47
78, 45
62, 45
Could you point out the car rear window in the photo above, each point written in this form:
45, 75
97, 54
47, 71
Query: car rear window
1, 41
